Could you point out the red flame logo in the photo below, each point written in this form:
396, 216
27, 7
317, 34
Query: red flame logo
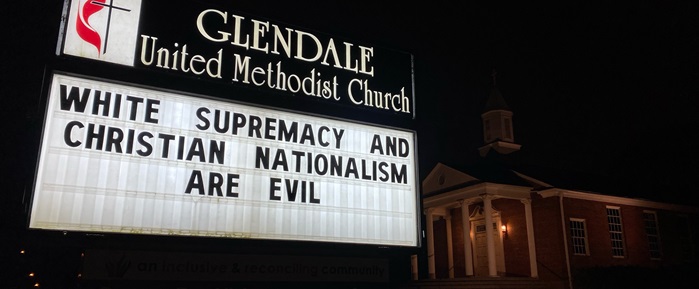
83, 27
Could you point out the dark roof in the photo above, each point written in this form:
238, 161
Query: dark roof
572, 180
495, 101
492, 169
503, 169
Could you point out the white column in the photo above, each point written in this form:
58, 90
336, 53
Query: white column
450, 246
466, 224
530, 237
430, 244
487, 202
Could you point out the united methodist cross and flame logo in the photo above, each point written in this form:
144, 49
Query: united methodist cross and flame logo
86, 31
104, 30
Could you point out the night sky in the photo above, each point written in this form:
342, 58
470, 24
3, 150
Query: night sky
597, 89
604, 90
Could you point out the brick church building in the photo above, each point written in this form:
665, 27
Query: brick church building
496, 220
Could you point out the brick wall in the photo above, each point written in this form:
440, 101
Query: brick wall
549, 239
636, 245
515, 243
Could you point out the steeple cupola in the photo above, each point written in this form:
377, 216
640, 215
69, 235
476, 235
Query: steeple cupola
498, 132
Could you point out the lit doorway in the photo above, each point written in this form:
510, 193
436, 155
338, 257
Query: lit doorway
480, 246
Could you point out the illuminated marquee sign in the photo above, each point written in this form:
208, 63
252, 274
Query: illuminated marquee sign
124, 159
195, 39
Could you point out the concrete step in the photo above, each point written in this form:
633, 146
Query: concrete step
481, 283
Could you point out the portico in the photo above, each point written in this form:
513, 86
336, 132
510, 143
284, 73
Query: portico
482, 243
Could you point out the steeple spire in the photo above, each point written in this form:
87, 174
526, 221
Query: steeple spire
495, 99
494, 75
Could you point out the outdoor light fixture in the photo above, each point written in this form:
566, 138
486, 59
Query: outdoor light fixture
504, 231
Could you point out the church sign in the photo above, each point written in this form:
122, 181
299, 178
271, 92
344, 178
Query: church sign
140, 158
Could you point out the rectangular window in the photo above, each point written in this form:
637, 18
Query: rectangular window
616, 233
578, 235
650, 220
508, 129
486, 130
